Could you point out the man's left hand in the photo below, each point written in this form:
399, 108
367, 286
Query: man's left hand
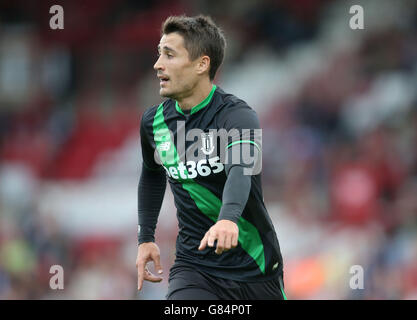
226, 233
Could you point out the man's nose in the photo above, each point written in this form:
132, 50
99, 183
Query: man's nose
158, 65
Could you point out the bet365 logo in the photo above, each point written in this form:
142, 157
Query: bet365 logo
191, 169
188, 154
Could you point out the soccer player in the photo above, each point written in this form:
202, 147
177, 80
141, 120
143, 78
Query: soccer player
200, 140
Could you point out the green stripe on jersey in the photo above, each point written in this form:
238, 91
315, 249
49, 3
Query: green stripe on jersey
283, 294
163, 142
243, 141
207, 202
210, 205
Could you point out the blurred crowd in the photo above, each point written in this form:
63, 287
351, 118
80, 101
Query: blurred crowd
339, 141
337, 160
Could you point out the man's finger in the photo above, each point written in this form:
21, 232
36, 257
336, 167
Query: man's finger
157, 263
235, 239
211, 238
149, 276
220, 244
228, 243
141, 275
203, 242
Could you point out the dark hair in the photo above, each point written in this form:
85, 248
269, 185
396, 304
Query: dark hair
201, 37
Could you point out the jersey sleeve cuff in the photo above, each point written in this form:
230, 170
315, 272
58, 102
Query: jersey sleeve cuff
146, 234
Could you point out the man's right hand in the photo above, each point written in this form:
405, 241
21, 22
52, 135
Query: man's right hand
148, 251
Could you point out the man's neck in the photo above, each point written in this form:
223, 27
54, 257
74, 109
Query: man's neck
199, 94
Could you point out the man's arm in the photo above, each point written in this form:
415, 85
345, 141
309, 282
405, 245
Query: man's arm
235, 195
238, 184
152, 185
151, 190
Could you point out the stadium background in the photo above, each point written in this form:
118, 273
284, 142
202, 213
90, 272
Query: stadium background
338, 109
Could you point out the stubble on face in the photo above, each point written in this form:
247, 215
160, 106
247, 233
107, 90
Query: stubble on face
174, 67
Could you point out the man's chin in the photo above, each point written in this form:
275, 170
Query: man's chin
165, 93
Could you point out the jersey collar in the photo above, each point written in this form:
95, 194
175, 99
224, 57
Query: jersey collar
201, 105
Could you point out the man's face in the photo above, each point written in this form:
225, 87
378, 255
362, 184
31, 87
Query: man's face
176, 72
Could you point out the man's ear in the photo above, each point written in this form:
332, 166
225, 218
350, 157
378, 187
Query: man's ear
203, 65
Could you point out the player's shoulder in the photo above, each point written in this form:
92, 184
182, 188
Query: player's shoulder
233, 106
232, 103
150, 112
231, 100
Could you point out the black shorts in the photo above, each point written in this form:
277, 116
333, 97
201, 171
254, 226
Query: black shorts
188, 283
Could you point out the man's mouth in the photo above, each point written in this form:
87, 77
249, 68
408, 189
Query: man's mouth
163, 79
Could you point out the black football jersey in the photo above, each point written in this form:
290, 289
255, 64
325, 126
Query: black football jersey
191, 150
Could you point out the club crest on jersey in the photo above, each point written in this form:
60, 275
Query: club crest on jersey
164, 146
207, 142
